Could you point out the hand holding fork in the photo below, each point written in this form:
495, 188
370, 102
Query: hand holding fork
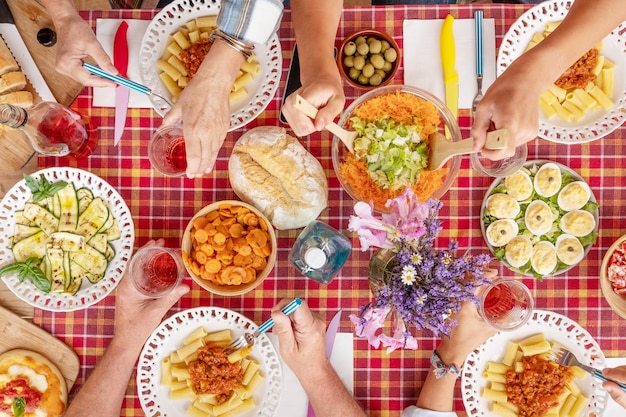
247, 339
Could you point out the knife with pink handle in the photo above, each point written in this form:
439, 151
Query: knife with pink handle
120, 60
331, 332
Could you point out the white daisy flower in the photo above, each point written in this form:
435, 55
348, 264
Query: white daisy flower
416, 258
408, 275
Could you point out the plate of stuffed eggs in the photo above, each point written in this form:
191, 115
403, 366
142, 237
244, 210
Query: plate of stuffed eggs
541, 220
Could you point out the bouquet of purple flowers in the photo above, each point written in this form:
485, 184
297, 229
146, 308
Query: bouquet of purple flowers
421, 286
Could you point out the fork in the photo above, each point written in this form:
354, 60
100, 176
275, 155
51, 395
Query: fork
478, 26
247, 339
562, 356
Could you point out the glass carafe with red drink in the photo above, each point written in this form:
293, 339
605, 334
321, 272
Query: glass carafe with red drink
52, 128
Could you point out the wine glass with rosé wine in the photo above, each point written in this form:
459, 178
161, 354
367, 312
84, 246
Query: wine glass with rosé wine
166, 151
156, 271
506, 304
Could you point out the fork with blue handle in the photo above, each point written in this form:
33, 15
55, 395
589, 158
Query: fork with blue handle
247, 339
564, 357
125, 82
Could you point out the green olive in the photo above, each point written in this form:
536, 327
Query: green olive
368, 70
363, 48
377, 61
359, 62
376, 79
354, 73
348, 61
391, 55
387, 66
349, 49
363, 79
380, 72
359, 39
384, 45
375, 46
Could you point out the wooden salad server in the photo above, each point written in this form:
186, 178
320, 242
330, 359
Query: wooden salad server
441, 149
346, 136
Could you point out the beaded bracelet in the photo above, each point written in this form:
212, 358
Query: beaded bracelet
441, 369
238, 45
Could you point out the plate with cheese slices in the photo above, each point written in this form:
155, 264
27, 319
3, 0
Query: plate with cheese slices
541, 220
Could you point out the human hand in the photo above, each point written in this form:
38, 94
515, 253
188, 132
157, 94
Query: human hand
618, 374
204, 108
137, 315
301, 337
326, 94
75, 43
512, 103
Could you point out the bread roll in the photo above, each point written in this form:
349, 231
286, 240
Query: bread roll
18, 98
12, 81
275, 173
7, 62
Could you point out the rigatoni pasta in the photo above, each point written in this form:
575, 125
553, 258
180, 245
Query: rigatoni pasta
185, 50
216, 384
525, 383
585, 86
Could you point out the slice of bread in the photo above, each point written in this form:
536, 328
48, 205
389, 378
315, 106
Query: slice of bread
12, 81
18, 98
7, 62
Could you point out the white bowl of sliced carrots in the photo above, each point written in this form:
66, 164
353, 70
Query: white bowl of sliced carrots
229, 248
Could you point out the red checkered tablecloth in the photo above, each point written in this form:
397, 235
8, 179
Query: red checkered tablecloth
384, 384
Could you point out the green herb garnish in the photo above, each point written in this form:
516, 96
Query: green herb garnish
28, 269
19, 406
42, 188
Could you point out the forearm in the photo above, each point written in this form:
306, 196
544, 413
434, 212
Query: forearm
112, 373
315, 24
327, 394
586, 24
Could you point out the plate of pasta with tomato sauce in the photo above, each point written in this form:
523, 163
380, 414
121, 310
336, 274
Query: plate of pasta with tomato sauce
500, 375
176, 42
183, 370
588, 101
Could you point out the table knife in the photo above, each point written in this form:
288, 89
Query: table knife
18, 48
448, 57
120, 60
331, 332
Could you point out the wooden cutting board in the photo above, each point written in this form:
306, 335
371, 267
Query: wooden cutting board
18, 333
30, 16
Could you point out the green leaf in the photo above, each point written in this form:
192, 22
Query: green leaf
19, 406
32, 183
42, 188
39, 279
11, 269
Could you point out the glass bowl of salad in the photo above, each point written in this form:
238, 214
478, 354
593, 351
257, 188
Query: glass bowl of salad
391, 151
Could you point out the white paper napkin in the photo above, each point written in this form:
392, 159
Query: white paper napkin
105, 33
422, 59
293, 400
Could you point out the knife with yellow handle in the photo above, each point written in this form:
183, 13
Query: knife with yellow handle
448, 58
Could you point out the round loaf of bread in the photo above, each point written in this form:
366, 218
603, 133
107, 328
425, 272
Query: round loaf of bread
275, 173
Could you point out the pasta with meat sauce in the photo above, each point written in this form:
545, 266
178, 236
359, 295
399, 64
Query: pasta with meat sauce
218, 385
526, 384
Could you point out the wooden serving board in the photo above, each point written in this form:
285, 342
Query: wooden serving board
30, 16
18, 333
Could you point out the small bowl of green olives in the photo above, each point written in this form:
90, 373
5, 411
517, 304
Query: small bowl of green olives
368, 59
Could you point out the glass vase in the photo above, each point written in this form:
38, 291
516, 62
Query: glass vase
379, 269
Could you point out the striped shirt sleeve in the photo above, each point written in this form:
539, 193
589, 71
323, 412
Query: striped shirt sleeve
250, 20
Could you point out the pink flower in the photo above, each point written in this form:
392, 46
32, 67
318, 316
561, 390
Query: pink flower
368, 325
371, 231
401, 339
407, 215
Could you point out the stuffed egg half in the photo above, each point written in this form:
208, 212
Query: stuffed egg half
578, 223
500, 232
543, 259
519, 185
502, 206
538, 218
569, 250
574, 196
518, 251
548, 180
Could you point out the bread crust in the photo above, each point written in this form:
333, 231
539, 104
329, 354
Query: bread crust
7, 62
275, 173
57, 388
12, 81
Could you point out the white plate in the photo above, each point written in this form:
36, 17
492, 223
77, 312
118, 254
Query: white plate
169, 20
595, 124
169, 336
556, 328
89, 293
529, 165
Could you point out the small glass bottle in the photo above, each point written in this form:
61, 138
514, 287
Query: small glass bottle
320, 252
52, 128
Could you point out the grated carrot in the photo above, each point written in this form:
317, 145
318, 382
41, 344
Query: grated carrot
403, 108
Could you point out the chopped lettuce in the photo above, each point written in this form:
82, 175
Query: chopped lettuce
394, 153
